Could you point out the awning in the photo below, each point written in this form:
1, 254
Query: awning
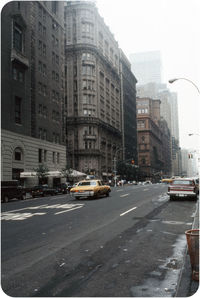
34, 174
77, 174
27, 174
53, 174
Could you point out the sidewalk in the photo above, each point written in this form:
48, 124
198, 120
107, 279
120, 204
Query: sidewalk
187, 286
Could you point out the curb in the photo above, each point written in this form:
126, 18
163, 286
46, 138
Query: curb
186, 286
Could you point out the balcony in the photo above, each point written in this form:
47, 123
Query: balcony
19, 57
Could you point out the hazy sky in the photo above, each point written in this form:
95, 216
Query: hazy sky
173, 27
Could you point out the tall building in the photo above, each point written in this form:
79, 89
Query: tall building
153, 140
129, 117
147, 67
32, 101
185, 166
93, 98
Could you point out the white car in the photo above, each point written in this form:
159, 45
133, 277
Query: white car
183, 187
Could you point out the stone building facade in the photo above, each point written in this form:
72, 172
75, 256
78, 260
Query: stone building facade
93, 97
33, 126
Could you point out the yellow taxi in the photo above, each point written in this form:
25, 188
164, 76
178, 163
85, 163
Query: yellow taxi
90, 189
167, 180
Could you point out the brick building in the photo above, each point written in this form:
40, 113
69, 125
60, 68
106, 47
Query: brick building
153, 140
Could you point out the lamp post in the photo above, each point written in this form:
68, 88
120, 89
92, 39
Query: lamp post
176, 79
115, 165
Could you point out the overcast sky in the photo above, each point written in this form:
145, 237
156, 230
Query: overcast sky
172, 27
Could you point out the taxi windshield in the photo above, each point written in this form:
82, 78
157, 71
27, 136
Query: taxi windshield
87, 183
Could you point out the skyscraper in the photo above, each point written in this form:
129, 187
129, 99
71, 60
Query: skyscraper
147, 67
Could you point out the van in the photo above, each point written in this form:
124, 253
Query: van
11, 190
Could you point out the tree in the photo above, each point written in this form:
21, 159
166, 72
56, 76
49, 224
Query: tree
42, 173
127, 171
66, 172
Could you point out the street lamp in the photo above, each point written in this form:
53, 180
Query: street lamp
193, 134
115, 165
176, 79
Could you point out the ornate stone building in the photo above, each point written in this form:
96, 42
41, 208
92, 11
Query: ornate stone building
93, 98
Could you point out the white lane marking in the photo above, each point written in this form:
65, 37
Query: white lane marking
37, 207
68, 210
19, 216
128, 211
145, 189
125, 195
16, 215
120, 190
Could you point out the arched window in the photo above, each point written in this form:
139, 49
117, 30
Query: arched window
18, 154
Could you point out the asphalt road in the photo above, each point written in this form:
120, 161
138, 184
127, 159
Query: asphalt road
129, 244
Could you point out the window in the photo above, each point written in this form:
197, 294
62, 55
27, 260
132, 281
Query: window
21, 76
45, 155
58, 157
17, 38
39, 155
18, 74
141, 124
88, 70
18, 154
142, 111
54, 6
18, 101
143, 161
14, 74
53, 156
44, 50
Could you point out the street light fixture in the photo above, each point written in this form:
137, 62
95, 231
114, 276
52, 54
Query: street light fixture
176, 79
193, 134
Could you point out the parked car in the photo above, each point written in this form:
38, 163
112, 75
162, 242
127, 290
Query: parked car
196, 180
147, 182
11, 190
43, 190
63, 187
183, 187
90, 188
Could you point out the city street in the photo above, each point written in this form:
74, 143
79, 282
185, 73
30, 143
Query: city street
131, 243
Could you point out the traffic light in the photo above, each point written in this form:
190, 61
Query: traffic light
132, 161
